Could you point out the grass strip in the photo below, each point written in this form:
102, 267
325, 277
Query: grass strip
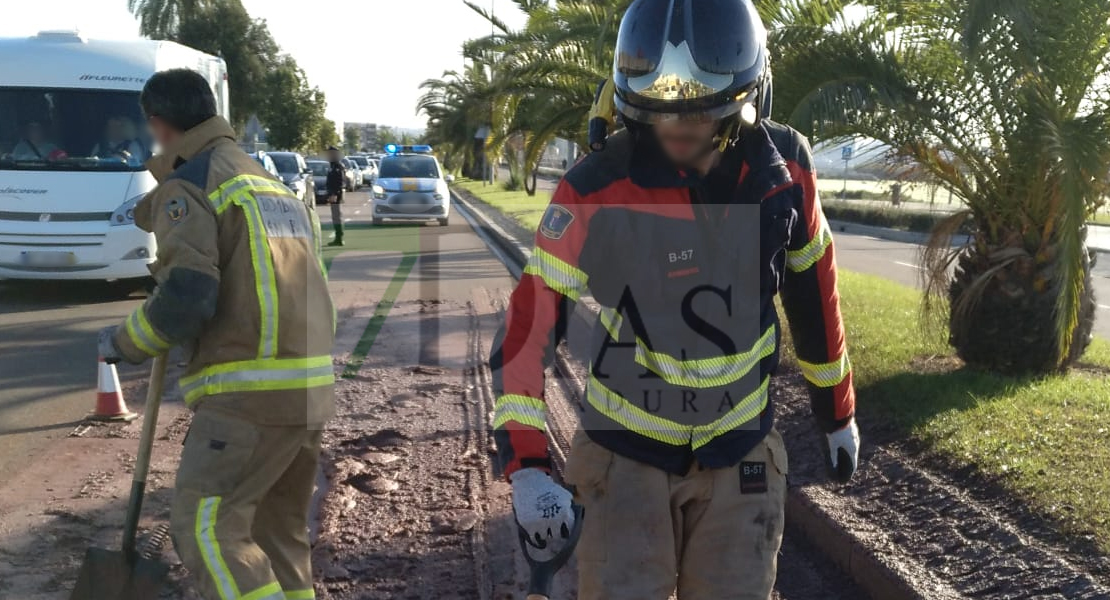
366, 342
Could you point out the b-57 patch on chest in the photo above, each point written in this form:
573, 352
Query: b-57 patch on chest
177, 209
556, 220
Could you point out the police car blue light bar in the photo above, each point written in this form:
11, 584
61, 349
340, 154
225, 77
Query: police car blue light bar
408, 149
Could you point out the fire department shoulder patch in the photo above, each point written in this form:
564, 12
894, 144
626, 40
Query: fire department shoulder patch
177, 208
556, 220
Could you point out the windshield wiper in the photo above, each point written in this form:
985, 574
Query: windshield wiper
22, 163
71, 163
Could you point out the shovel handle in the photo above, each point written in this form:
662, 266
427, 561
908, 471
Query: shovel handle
142, 459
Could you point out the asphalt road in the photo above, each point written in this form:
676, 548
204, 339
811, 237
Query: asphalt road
48, 371
899, 262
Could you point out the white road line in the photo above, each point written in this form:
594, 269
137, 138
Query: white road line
905, 264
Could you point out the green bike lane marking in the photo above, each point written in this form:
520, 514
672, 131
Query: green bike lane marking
366, 342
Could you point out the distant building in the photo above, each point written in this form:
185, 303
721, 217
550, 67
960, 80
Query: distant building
254, 136
368, 138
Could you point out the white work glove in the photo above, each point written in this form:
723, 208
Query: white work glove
106, 346
847, 439
543, 511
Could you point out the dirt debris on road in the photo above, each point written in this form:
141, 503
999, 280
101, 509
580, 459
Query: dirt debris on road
412, 510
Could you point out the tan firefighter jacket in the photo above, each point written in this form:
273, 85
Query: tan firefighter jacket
240, 282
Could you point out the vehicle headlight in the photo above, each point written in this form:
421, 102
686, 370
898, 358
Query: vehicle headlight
125, 214
379, 192
437, 196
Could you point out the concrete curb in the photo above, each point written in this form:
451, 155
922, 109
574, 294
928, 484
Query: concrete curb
803, 515
877, 578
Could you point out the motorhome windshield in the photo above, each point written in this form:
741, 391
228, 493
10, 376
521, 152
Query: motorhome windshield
67, 129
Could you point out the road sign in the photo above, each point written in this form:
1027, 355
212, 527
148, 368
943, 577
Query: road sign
846, 153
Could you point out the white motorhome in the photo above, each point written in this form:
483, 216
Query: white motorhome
73, 142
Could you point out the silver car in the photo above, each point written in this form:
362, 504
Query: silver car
367, 168
411, 186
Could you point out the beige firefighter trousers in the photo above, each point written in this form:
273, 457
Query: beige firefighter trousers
240, 510
711, 534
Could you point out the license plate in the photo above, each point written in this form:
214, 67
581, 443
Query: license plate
49, 259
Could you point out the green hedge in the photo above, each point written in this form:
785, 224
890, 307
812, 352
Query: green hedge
906, 220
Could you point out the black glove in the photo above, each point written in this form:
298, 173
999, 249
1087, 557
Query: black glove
106, 345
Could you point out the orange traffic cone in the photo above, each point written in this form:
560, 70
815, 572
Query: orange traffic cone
109, 398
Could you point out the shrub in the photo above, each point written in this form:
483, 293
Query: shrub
906, 220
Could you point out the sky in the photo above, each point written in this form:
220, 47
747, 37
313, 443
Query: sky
368, 57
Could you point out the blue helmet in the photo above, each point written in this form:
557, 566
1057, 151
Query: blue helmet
692, 59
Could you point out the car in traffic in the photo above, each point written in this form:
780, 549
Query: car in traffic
366, 168
319, 169
352, 174
411, 186
295, 175
263, 159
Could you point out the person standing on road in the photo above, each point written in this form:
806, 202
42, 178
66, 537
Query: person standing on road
336, 182
242, 284
683, 229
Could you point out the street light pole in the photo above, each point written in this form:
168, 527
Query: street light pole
492, 32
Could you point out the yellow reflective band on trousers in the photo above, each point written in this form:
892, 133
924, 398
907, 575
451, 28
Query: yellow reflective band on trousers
706, 372
826, 374
143, 335
271, 591
210, 548
634, 418
559, 275
258, 376
522, 409
637, 420
239, 191
300, 595
808, 255
744, 411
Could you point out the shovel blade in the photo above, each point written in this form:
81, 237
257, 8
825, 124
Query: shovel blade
108, 575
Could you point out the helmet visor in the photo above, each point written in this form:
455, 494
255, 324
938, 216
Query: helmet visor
662, 112
725, 36
643, 36
721, 36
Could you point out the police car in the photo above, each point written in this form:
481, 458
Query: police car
411, 186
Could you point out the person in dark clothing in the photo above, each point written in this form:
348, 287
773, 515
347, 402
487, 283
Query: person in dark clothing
336, 176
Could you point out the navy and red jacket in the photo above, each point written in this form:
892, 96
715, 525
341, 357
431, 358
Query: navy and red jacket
685, 269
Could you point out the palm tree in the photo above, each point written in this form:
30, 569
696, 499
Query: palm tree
1007, 102
544, 75
547, 72
159, 19
456, 105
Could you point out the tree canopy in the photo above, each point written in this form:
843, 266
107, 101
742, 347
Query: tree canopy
264, 81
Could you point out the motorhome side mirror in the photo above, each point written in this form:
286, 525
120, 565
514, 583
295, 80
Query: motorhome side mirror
448, 178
